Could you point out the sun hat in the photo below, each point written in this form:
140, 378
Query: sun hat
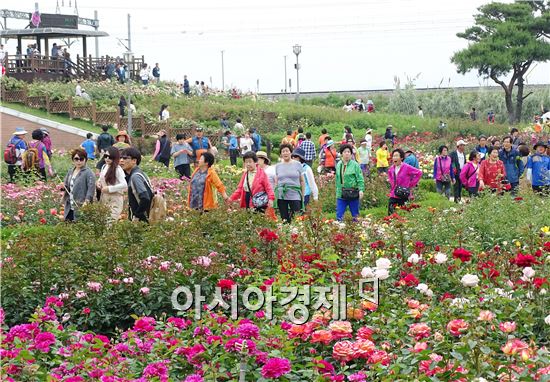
263, 155
19, 131
369, 131
298, 152
123, 133
330, 143
198, 129
363, 141
461, 142
540, 143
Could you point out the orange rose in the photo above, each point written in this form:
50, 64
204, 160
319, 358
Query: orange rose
363, 348
343, 351
322, 336
340, 329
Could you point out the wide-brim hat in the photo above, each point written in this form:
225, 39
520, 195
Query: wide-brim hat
19, 131
298, 153
263, 155
330, 143
122, 133
461, 142
540, 143
369, 131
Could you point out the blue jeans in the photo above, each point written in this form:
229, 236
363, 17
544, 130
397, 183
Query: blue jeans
342, 205
440, 185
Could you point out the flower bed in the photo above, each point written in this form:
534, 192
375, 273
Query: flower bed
459, 298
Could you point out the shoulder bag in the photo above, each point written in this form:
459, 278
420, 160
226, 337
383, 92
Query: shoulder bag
348, 193
400, 192
259, 199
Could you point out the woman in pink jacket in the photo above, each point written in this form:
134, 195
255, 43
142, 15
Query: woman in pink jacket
401, 175
469, 173
254, 190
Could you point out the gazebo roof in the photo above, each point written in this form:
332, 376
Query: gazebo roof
50, 33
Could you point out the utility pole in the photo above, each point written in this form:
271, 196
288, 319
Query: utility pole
223, 75
285, 75
129, 35
297, 50
96, 27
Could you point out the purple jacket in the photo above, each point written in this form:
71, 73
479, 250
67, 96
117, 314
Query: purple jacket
442, 165
408, 176
468, 175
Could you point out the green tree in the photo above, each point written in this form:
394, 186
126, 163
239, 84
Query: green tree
507, 39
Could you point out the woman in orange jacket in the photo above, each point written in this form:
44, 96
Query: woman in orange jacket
203, 185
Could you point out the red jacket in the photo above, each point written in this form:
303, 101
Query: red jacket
260, 183
492, 174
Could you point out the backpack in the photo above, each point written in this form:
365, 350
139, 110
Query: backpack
10, 154
31, 158
157, 211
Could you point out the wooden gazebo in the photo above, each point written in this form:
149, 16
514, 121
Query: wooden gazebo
42, 65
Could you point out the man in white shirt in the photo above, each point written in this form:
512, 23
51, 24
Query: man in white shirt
458, 160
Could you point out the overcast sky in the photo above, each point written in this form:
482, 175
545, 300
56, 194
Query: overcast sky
346, 44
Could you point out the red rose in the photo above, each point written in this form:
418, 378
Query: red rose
226, 283
522, 260
462, 254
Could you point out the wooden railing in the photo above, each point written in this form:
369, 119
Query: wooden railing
97, 117
46, 67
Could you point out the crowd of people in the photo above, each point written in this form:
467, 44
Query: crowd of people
495, 165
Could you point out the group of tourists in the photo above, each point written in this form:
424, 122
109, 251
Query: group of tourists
287, 186
497, 167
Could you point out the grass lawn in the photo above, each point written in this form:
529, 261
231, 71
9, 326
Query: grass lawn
60, 118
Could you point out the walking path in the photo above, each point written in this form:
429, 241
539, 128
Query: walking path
63, 136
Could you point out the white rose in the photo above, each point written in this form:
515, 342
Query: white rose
528, 272
382, 274
470, 280
542, 291
414, 258
383, 263
423, 288
547, 320
429, 293
367, 273
440, 258
460, 302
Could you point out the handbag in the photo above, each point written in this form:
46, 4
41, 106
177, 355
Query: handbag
400, 192
445, 178
348, 193
259, 199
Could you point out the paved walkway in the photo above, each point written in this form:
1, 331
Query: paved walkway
63, 136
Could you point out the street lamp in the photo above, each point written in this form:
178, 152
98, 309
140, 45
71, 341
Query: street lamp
297, 50
129, 57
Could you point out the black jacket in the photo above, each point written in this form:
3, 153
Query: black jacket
140, 195
455, 164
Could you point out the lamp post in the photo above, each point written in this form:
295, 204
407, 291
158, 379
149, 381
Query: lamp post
297, 50
129, 57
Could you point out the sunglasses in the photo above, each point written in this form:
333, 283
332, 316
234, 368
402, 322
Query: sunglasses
106, 156
78, 159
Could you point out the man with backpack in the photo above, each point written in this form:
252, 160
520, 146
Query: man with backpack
14, 152
140, 193
35, 158
104, 141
